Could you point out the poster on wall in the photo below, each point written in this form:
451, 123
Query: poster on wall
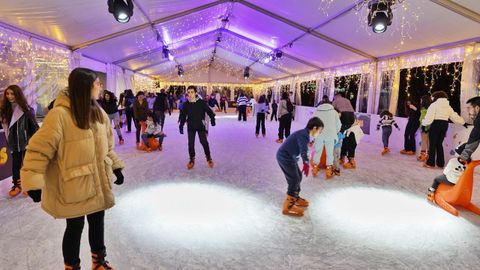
364, 120
5, 160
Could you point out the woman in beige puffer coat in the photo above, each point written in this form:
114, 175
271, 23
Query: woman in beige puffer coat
70, 163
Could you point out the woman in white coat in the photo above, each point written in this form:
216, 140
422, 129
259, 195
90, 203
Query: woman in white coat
328, 138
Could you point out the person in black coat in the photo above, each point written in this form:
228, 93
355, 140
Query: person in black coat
110, 106
193, 113
160, 106
413, 111
19, 124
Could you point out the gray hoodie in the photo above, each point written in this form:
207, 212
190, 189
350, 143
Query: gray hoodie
331, 121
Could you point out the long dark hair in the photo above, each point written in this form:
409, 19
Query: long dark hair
285, 95
389, 114
262, 99
425, 101
111, 95
6, 110
129, 93
85, 109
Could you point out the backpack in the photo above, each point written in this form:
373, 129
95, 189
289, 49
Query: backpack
289, 106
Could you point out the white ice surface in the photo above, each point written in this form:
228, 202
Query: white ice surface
229, 217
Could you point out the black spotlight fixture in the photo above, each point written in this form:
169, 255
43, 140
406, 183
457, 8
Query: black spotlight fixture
122, 10
218, 40
380, 15
246, 73
166, 53
180, 71
278, 54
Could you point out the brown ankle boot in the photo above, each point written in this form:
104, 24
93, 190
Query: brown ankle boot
15, 190
302, 202
72, 267
350, 164
210, 163
99, 262
191, 163
289, 207
315, 169
329, 173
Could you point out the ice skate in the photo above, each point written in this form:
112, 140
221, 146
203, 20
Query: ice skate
160, 148
425, 165
422, 157
120, 140
385, 151
336, 171
263, 135
431, 195
99, 262
191, 163
279, 141
341, 161
289, 207
351, 164
256, 135
302, 202
315, 169
15, 190
210, 163
72, 267
329, 173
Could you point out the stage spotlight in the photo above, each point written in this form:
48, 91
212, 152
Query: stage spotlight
166, 53
121, 10
218, 40
180, 71
278, 54
246, 73
380, 15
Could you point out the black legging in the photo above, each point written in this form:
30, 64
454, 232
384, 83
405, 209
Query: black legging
349, 146
260, 122
285, 125
73, 235
242, 112
436, 135
347, 119
223, 107
202, 135
129, 115
274, 114
17, 162
138, 129
409, 136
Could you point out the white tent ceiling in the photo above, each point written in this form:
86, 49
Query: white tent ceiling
324, 34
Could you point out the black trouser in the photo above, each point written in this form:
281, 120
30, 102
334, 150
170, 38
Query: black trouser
223, 107
386, 132
349, 146
160, 117
129, 115
436, 135
17, 163
260, 122
441, 179
202, 135
242, 112
274, 114
293, 175
138, 127
347, 119
73, 235
409, 136
284, 126
120, 112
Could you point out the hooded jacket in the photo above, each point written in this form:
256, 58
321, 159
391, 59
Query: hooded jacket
73, 167
331, 121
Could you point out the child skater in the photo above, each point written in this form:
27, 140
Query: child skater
153, 130
287, 157
18, 122
386, 122
353, 135
425, 102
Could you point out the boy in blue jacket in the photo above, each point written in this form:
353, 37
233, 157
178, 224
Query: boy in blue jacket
288, 155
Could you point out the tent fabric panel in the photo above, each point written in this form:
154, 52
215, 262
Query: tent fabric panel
322, 53
473, 5
117, 48
157, 9
68, 22
260, 27
290, 65
312, 12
